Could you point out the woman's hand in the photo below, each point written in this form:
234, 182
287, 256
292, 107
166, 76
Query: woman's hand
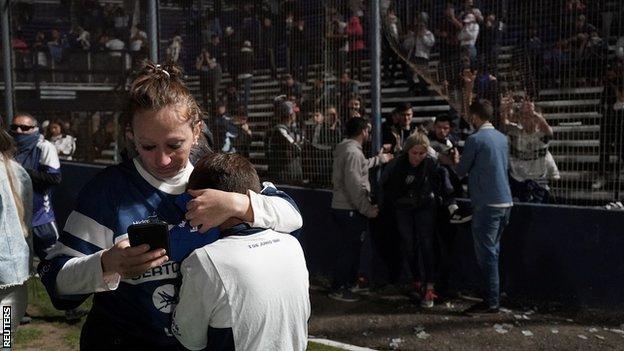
130, 262
210, 208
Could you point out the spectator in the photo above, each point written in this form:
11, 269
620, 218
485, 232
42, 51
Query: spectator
138, 46
284, 145
391, 40
231, 47
354, 108
489, 42
317, 97
65, 144
57, 47
245, 76
40, 159
612, 125
321, 133
291, 87
120, 22
355, 34
416, 186
347, 88
530, 163
485, 162
398, 133
300, 53
220, 123
351, 204
338, 42
211, 28
423, 40
237, 134
321, 137
40, 47
267, 45
333, 121
449, 45
231, 97
289, 25
210, 75
470, 8
215, 49
272, 309
16, 195
79, 39
115, 45
445, 147
468, 38
174, 50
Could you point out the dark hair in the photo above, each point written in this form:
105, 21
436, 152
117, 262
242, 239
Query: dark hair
157, 87
226, 172
403, 106
443, 118
355, 126
483, 109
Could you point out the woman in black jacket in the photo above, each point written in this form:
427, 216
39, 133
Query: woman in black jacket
414, 187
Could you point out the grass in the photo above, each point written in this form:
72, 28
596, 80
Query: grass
48, 330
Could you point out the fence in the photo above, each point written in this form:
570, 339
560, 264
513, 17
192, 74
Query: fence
245, 59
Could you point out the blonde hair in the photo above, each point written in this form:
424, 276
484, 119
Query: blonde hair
7, 149
416, 139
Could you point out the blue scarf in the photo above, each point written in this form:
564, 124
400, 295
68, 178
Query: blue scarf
28, 154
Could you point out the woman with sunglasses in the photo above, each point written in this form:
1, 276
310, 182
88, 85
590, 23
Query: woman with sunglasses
135, 287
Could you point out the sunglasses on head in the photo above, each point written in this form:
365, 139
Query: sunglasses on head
24, 128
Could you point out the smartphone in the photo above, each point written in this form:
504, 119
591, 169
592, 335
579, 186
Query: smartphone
155, 234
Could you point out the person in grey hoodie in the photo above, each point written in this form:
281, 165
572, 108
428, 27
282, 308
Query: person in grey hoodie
351, 203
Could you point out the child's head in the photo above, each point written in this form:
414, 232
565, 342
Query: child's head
226, 172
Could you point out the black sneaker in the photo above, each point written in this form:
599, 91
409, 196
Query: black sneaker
461, 215
480, 308
75, 314
343, 295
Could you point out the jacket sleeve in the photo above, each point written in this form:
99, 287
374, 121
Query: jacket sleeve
274, 209
468, 157
73, 269
356, 191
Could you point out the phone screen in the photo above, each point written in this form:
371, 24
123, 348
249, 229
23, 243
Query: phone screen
156, 235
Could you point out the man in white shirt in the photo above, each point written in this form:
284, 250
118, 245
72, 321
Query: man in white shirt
249, 289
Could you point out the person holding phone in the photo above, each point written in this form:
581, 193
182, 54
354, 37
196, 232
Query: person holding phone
135, 287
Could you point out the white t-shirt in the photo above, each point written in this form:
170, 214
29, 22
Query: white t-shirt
249, 289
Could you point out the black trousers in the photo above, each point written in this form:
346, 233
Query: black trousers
352, 226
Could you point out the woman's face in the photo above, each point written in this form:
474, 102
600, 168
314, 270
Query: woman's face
416, 154
163, 140
55, 129
318, 118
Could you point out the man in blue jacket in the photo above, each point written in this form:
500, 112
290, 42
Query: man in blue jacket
485, 162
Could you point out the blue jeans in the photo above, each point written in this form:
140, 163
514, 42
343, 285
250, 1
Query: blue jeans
487, 226
352, 228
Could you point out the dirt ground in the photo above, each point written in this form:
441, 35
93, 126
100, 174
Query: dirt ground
390, 321
393, 322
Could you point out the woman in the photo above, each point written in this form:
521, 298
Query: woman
15, 217
65, 144
355, 33
414, 187
135, 288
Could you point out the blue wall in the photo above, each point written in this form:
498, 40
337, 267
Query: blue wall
565, 254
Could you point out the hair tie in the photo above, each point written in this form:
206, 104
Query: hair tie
159, 67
